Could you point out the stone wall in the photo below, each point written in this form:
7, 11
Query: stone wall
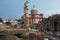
52, 24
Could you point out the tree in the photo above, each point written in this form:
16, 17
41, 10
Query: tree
19, 20
1, 19
8, 23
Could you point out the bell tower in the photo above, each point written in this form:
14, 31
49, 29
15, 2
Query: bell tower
26, 16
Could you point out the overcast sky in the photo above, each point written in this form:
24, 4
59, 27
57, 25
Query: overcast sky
14, 8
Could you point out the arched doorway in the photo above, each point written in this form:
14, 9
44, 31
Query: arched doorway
55, 26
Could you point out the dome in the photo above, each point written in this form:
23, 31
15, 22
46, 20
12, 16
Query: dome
34, 10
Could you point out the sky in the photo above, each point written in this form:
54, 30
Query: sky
15, 8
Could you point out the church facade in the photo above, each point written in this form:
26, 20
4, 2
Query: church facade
31, 18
